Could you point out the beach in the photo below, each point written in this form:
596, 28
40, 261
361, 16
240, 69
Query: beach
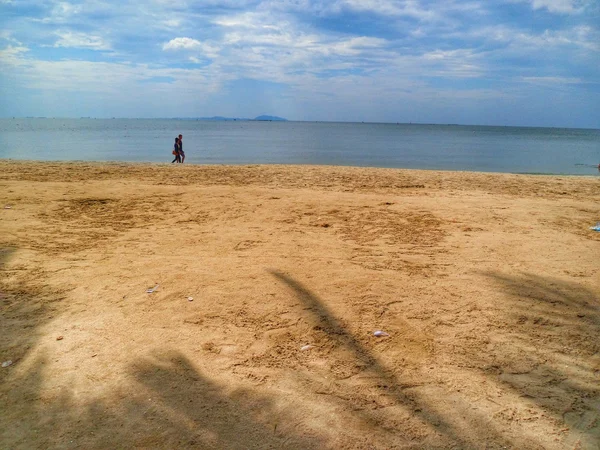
192, 306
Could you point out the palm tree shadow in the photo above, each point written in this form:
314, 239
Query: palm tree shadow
20, 413
170, 405
196, 411
418, 407
26, 304
550, 351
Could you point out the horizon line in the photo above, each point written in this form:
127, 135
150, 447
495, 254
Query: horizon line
282, 119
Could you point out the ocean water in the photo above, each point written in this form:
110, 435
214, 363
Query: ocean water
444, 147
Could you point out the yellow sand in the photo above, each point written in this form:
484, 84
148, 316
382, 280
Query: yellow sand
487, 284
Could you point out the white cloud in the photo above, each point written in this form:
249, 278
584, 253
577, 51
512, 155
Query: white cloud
184, 43
281, 42
353, 46
206, 49
287, 42
279, 39
99, 77
582, 37
407, 8
458, 63
250, 20
424, 12
66, 9
7, 36
69, 39
172, 23
62, 12
559, 6
12, 54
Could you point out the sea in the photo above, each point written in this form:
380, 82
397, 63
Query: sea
392, 145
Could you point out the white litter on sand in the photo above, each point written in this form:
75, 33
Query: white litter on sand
151, 290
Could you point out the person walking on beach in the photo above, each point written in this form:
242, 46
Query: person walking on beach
176, 151
181, 154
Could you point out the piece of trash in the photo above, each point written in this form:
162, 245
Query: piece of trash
6, 363
306, 347
380, 333
60, 338
7, 207
151, 290
596, 228
190, 299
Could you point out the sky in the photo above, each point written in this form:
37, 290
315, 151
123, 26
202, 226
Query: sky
493, 62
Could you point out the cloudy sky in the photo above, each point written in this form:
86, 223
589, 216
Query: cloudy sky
501, 62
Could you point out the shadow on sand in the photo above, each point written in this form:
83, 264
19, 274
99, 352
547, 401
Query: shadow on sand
550, 351
27, 304
173, 405
462, 433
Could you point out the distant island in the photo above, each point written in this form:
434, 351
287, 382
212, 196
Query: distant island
220, 118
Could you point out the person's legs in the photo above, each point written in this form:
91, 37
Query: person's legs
182, 157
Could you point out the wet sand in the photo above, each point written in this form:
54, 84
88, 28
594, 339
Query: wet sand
487, 284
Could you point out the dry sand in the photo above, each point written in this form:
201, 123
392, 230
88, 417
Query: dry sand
488, 285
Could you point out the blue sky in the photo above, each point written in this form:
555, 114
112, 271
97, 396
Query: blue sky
504, 62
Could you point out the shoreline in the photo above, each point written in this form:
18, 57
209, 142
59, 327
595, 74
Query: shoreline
241, 165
